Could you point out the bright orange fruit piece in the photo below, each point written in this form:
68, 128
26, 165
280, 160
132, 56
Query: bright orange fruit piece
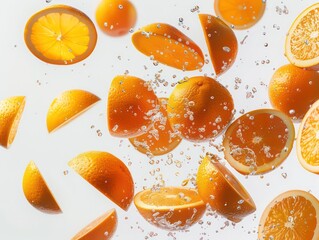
106, 173
60, 34
241, 14
170, 208
166, 44
259, 141
291, 215
221, 42
101, 228
218, 187
200, 108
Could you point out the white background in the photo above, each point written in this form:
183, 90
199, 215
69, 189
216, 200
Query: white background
23, 74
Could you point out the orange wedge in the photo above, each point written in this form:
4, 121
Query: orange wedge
102, 228
106, 173
259, 141
37, 192
240, 14
60, 34
301, 42
67, 106
308, 140
166, 44
218, 187
170, 208
291, 215
221, 42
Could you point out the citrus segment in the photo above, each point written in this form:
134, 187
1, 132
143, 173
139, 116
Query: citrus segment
241, 14
102, 228
67, 106
166, 44
291, 215
221, 42
106, 173
10, 114
224, 193
37, 192
131, 106
200, 108
171, 208
259, 141
60, 34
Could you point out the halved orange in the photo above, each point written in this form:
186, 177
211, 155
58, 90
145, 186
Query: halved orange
301, 47
60, 34
221, 42
166, 44
36, 190
170, 208
259, 141
291, 215
101, 228
67, 106
218, 187
308, 140
241, 14
10, 114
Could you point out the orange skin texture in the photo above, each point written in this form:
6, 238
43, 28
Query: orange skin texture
114, 20
221, 42
106, 173
169, 46
131, 105
200, 108
290, 89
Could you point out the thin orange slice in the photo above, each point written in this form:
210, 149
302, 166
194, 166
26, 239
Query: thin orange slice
102, 228
301, 46
308, 140
170, 208
218, 187
166, 44
259, 141
60, 34
67, 106
240, 14
221, 42
291, 215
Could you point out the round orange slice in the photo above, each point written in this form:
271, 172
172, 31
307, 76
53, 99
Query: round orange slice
259, 141
60, 34
67, 106
166, 44
101, 228
218, 187
291, 215
10, 114
170, 208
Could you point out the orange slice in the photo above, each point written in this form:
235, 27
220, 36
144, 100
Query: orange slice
301, 42
218, 187
60, 34
221, 42
67, 106
160, 138
37, 192
308, 140
130, 107
102, 228
240, 14
170, 208
291, 215
10, 114
166, 44
259, 141
106, 173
